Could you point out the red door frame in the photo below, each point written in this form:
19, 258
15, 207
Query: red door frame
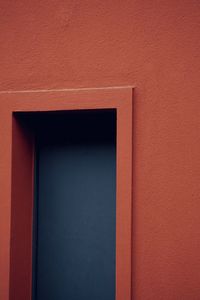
16, 182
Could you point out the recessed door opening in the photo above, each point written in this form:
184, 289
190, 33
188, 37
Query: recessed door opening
74, 244
67, 194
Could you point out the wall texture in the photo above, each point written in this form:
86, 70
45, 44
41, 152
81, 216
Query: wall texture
154, 46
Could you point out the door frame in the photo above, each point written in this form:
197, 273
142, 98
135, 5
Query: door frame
17, 181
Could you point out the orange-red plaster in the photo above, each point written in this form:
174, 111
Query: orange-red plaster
154, 46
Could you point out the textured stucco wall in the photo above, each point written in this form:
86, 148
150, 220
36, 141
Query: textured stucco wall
154, 46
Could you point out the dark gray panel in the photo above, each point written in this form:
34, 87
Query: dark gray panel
76, 207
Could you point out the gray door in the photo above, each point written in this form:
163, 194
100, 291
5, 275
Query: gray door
75, 206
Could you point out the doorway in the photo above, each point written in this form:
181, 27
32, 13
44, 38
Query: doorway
30, 121
75, 205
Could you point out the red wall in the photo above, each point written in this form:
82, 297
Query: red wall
154, 46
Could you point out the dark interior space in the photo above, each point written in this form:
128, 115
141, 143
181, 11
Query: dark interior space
75, 204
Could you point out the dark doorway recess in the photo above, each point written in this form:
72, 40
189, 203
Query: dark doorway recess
75, 205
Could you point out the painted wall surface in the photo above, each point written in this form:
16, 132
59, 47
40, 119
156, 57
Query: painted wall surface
154, 46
